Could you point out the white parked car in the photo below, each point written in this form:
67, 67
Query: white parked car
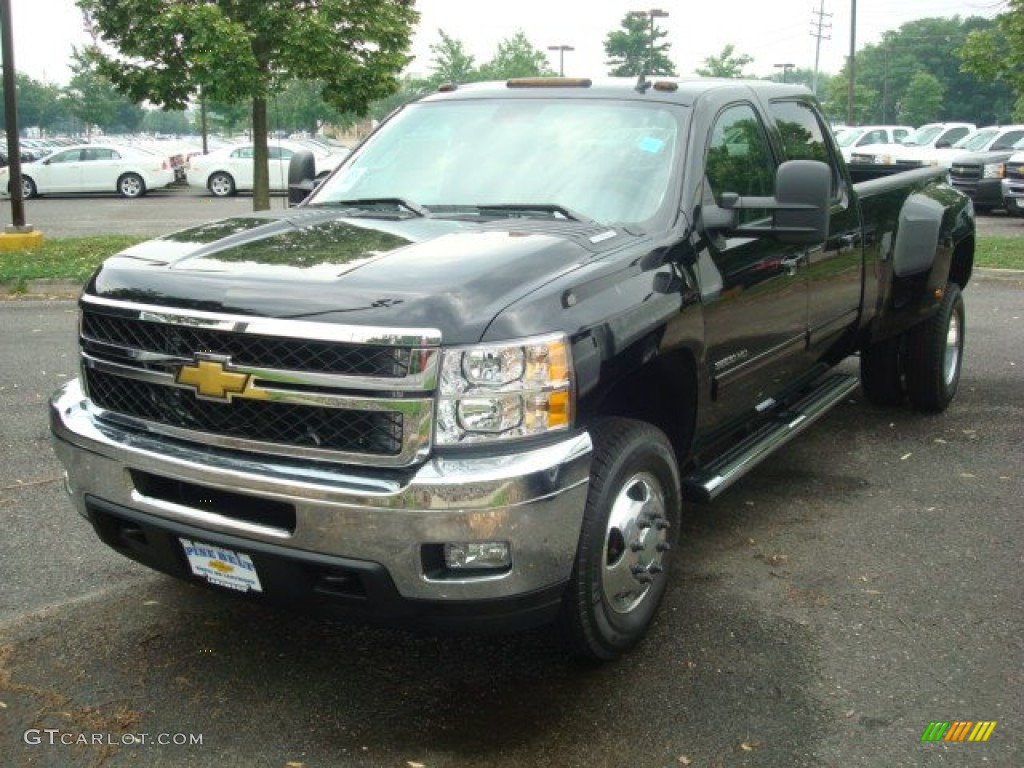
129, 171
849, 139
989, 138
230, 169
928, 136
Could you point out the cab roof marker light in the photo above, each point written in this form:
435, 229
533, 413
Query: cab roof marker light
666, 85
549, 82
447, 87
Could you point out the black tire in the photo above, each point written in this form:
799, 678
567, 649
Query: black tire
131, 185
28, 188
882, 372
630, 525
935, 352
221, 184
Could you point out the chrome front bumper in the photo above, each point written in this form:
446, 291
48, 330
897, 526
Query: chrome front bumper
534, 500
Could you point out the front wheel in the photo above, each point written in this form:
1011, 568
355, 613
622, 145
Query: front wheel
131, 185
630, 524
221, 184
935, 351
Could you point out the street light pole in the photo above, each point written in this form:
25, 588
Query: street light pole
654, 13
561, 56
19, 234
785, 69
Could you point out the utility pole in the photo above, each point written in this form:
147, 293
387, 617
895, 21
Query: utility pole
819, 29
852, 64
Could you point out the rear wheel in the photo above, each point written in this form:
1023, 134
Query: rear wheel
935, 351
221, 184
630, 524
131, 185
28, 188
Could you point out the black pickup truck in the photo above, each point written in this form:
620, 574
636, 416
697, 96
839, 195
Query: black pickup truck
470, 381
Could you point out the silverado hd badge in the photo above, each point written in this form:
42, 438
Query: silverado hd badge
211, 379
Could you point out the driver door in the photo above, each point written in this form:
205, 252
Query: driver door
753, 288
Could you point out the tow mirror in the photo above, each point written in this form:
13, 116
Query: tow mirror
799, 211
301, 176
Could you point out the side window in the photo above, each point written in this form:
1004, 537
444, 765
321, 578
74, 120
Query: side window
243, 152
803, 136
900, 134
71, 156
956, 134
739, 158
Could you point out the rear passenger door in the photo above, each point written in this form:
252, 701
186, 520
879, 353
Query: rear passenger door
100, 169
834, 269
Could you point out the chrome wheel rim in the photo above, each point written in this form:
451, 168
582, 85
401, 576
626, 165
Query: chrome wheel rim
26, 188
220, 186
130, 186
951, 359
634, 543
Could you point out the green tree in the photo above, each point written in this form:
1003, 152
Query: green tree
92, 97
629, 49
516, 57
998, 53
922, 101
229, 118
173, 122
450, 62
835, 104
241, 51
929, 45
726, 64
39, 104
299, 106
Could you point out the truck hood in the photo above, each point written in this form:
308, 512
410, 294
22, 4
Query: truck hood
451, 275
982, 158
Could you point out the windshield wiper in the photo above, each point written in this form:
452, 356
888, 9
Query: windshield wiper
525, 209
367, 202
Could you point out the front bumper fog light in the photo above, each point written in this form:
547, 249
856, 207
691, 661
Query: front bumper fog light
477, 555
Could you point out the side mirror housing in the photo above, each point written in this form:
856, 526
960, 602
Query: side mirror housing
301, 176
799, 211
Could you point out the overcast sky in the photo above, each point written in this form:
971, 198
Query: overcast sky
772, 31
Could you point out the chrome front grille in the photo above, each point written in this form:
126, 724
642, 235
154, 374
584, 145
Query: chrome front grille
965, 172
286, 387
246, 348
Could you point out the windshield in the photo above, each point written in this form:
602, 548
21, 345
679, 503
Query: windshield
849, 136
610, 161
926, 134
977, 141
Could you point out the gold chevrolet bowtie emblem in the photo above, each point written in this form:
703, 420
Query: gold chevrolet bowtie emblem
211, 379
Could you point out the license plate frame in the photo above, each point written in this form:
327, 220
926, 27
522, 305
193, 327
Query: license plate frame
221, 566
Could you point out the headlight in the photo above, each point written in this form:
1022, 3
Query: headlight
504, 391
994, 171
